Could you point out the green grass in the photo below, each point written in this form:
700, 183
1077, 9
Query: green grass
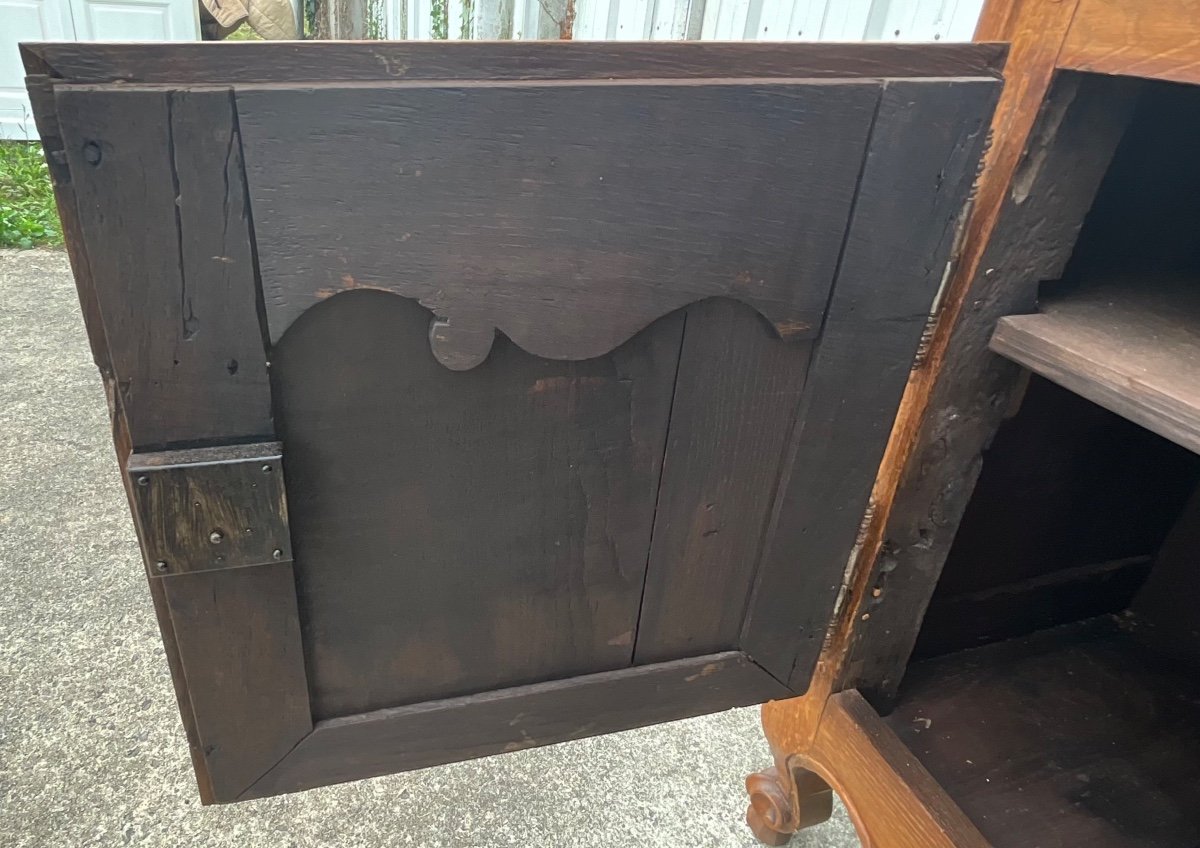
28, 217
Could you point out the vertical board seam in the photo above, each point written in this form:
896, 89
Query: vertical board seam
797, 426
662, 473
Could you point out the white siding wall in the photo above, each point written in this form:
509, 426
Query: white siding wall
724, 20
720, 20
78, 20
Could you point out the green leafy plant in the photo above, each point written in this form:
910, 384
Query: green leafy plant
439, 25
28, 217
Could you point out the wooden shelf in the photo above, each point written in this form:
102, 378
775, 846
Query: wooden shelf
1133, 349
1076, 737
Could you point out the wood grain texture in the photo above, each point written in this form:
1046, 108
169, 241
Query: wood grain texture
566, 216
970, 389
1075, 737
925, 149
734, 406
238, 636
157, 177
497, 722
1131, 346
313, 61
892, 800
1158, 40
457, 532
210, 508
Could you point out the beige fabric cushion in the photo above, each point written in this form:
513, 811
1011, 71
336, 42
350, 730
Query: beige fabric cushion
272, 19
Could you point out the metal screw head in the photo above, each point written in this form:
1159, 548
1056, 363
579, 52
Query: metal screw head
92, 153
216, 537
143, 480
161, 565
266, 469
278, 554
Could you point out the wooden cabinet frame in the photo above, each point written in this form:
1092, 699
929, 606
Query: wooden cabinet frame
1038, 182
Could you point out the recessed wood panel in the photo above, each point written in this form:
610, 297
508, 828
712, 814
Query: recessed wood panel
735, 404
456, 532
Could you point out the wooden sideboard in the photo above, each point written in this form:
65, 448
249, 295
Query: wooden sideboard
1014, 659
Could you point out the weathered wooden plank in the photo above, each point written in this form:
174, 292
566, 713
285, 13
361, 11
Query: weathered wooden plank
210, 508
921, 162
1069, 151
299, 61
158, 181
567, 216
438, 732
1131, 346
735, 402
902, 805
238, 635
459, 532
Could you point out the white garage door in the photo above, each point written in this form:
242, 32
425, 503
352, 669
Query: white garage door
78, 20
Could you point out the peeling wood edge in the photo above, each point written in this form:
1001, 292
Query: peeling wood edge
213, 455
1006, 138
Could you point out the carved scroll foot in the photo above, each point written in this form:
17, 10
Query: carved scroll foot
784, 801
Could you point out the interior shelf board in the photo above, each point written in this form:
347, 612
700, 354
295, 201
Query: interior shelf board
1075, 737
1133, 349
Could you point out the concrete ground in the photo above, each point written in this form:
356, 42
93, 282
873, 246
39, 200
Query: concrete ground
91, 749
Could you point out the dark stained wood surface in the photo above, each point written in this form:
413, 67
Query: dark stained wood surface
1164, 607
1132, 346
158, 182
41, 95
556, 463
437, 732
735, 403
456, 532
1075, 737
926, 144
238, 636
210, 508
568, 216
1071, 147
1066, 487
289, 62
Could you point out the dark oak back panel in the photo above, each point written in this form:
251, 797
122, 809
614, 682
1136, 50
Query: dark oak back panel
577, 363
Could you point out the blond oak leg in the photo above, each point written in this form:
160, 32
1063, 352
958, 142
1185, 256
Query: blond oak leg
784, 799
892, 800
